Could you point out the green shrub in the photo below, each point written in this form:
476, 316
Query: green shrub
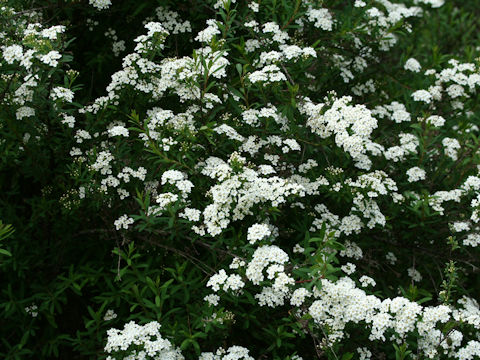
232, 179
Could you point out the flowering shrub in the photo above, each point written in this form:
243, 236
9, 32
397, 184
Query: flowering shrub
271, 179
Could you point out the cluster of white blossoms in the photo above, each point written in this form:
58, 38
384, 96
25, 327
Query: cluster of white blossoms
435, 120
338, 304
258, 232
123, 222
351, 126
118, 130
298, 296
141, 341
451, 147
416, 174
32, 310
172, 21
422, 95
100, 4
395, 111
412, 65
432, 3
179, 180
458, 81
209, 32
109, 315
321, 18
268, 74
232, 353
29, 50
231, 282
61, 93
238, 192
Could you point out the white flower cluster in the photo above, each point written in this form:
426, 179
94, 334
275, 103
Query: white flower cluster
51, 58
124, 222
227, 282
298, 296
32, 310
61, 93
171, 21
395, 111
338, 304
408, 145
416, 174
179, 180
232, 353
321, 18
109, 315
141, 341
267, 75
412, 65
459, 80
118, 130
258, 232
209, 32
351, 126
24, 111
451, 146
271, 259
422, 95
435, 120
100, 4
237, 193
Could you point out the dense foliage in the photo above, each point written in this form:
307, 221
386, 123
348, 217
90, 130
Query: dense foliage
221, 179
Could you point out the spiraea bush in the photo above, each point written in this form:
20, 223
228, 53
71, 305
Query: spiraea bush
230, 180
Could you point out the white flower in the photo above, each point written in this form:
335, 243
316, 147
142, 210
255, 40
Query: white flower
190, 214
297, 249
450, 147
435, 120
216, 280
101, 4
109, 315
298, 296
12, 53
32, 310
412, 65
392, 259
258, 232
61, 93
348, 268
414, 274
51, 58
146, 337
209, 32
422, 95
165, 199
123, 221
52, 32
118, 131
367, 281
68, 120
24, 112
212, 299
321, 18
415, 174
253, 6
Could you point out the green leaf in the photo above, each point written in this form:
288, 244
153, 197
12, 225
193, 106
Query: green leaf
5, 252
347, 356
